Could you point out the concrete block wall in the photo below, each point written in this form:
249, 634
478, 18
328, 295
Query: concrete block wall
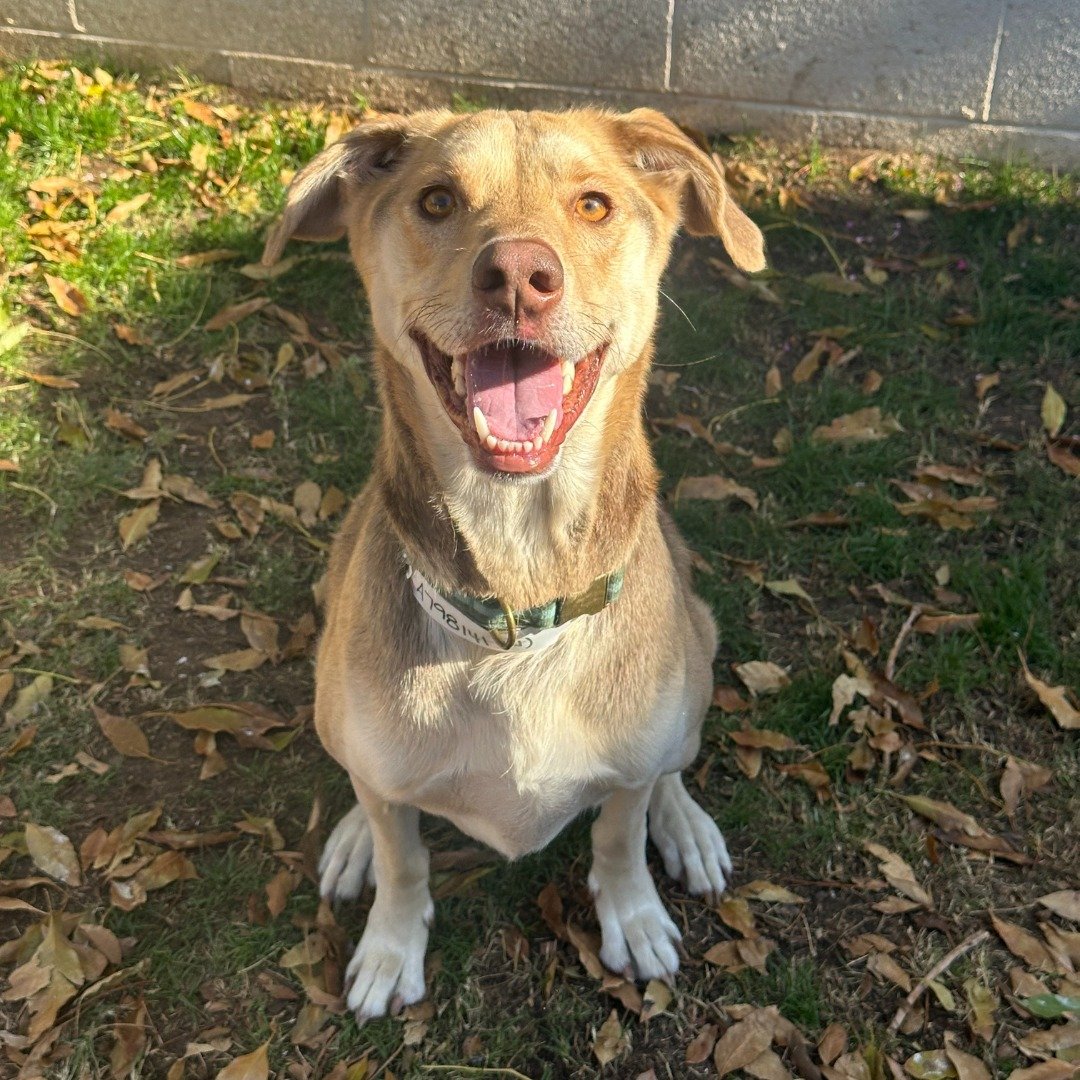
990, 78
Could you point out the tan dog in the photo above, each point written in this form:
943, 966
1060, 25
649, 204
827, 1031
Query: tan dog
479, 660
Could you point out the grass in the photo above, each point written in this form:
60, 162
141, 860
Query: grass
980, 279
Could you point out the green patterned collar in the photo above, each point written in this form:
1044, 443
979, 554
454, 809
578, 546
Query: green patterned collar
492, 623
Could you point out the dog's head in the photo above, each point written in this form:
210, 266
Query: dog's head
512, 260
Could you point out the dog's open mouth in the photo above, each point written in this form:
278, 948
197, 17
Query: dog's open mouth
512, 401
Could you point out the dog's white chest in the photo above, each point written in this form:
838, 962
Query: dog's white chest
510, 762
512, 781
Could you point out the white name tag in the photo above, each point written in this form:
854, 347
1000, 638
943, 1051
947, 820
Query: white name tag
454, 621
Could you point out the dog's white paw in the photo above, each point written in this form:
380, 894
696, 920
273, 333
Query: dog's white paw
346, 863
636, 931
386, 972
688, 840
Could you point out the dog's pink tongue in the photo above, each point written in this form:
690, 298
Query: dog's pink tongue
516, 387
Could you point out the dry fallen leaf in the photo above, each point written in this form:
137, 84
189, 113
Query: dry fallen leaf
1055, 1069
735, 912
762, 676
768, 893
205, 258
134, 527
768, 1065
930, 1065
833, 1043
762, 739
259, 272
239, 660
129, 1033
739, 1045
715, 487
611, 1041
864, 425
54, 382
656, 999
53, 853
701, 1046
1054, 698
729, 699
884, 965
946, 624
307, 498
811, 773
125, 425
1061, 456
69, 299
982, 1003
1065, 903
28, 699
1025, 945
253, 1066
261, 632
234, 313
125, 735
123, 210
333, 502
791, 587
183, 487
899, 874
1053, 411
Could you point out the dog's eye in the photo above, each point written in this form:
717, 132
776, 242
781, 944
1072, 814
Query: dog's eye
593, 206
439, 202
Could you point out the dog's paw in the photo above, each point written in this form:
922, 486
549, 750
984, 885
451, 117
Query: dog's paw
636, 932
688, 840
346, 863
386, 972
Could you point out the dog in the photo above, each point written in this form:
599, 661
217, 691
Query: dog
511, 635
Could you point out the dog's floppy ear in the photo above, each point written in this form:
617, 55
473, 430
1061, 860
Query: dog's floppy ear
319, 195
708, 209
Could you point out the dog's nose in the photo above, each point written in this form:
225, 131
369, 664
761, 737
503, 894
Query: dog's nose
518, 277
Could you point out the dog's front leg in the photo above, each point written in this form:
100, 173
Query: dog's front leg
635, 928
387, 969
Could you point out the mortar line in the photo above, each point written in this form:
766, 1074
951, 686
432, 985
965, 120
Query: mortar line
991, 77
669, 33
73, 15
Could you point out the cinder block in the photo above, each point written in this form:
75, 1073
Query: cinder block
601, 43
43, 15
332, 30
909, 57
1038, 72
158, 60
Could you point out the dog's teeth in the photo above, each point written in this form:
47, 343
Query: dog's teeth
538, 442
504, 445
527, 446
549, 425
481, 423
491, 442
457, 377
567, 377
459, 386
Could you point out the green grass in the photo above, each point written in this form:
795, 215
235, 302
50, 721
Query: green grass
1010, 266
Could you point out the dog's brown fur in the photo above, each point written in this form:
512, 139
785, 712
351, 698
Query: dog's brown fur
510, 746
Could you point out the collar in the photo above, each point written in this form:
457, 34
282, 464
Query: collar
492, 624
